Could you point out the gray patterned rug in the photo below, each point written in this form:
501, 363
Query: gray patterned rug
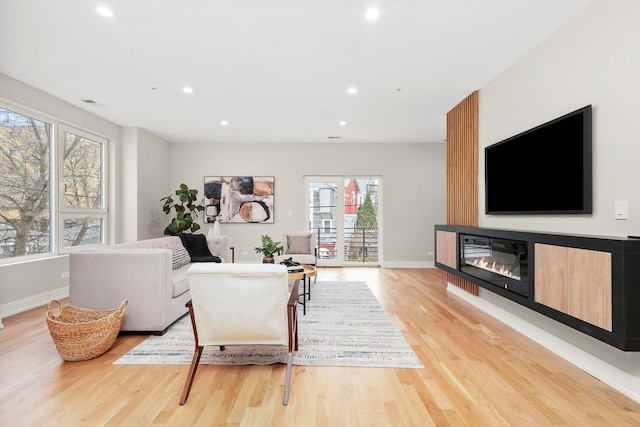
345, 325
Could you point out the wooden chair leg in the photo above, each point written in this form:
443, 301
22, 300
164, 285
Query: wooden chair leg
192, 373
287, 380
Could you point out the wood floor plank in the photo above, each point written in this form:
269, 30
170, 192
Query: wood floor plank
477, 371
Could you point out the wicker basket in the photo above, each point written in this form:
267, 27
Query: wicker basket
81, 333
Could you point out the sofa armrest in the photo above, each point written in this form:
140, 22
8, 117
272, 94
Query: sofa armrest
103, 279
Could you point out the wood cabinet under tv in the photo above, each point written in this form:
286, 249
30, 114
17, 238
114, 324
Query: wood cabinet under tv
590, 283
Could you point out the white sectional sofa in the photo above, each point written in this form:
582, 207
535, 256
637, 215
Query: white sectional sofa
140, 272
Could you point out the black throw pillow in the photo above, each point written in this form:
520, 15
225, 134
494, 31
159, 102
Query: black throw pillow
196, 245
211, 258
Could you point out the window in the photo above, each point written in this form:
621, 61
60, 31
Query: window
36, 215
82, 204
25, 203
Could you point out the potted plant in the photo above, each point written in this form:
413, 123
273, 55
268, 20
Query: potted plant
269, 248
186, 211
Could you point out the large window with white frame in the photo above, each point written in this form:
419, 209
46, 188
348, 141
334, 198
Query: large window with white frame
83, 214
52, 187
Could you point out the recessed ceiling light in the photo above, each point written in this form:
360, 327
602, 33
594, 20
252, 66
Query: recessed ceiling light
187, 89
224, 122
352, 90
372, 14
104, 11
343, 123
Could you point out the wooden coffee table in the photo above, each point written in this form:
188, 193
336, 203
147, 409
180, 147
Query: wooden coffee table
305, 276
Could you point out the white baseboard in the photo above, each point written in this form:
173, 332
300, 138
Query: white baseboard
618, 379
33, 301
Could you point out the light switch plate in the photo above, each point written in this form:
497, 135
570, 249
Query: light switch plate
621, 210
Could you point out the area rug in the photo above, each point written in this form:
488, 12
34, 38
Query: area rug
345, 325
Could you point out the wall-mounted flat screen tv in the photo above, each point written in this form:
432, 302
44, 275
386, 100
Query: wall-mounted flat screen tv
544, 170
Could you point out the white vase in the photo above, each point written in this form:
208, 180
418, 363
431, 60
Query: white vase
216, 228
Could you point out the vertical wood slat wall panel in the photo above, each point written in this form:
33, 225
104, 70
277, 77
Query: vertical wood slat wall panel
462, 172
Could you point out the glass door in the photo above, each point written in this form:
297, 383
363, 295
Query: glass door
344, 212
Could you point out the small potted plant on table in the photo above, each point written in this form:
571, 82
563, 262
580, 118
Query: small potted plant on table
268, 249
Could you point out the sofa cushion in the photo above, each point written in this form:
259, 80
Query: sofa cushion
180, 281
180, 256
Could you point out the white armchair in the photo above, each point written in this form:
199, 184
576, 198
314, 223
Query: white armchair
242, 304
300, 246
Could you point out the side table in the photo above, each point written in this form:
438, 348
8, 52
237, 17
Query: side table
308, 272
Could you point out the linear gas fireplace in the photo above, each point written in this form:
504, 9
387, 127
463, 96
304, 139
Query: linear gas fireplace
501, 262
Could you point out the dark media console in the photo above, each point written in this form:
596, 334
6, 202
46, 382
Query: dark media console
590, 283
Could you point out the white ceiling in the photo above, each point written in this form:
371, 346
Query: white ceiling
277, 71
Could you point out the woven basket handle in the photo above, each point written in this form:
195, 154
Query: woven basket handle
123, 306
50, 308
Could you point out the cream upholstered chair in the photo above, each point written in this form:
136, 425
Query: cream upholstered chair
300, 246
242, 304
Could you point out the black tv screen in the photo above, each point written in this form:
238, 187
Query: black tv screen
545, 170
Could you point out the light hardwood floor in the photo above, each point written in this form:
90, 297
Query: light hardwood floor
478, 372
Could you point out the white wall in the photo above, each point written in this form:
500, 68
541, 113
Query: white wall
143, 179
126, 223
592, 60
34, 99
154, 183
413, 177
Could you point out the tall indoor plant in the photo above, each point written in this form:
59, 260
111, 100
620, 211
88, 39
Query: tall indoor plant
186, 210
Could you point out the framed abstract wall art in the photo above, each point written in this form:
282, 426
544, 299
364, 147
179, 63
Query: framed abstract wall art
247, 199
